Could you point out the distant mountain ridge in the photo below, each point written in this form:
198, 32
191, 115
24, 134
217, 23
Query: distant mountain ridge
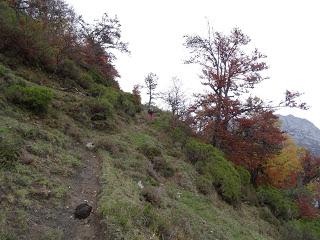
304, 132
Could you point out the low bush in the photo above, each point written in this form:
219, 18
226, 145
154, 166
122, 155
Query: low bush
300, 230
96, 76
149, 151
112, 95
85, 81
9, 152
310, 228
281, 206
68, 69
97, 90
99, 109
162, 225
225, 178
212, 165
128, 105
34, 98
204, 184
163, 167
198, 151
244, 175
7, 236
179, 132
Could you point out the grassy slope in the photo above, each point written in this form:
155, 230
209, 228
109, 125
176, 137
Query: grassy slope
182, 211
53, 154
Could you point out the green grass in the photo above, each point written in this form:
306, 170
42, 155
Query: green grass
135, 152
183, 212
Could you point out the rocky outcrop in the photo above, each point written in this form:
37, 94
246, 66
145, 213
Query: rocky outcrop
304, 132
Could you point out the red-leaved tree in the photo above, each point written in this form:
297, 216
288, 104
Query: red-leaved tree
226, 115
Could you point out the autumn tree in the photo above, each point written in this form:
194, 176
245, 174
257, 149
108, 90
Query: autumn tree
311, 168
175, 98
100, 40
151, 83
283, 170
227, 115
136, 92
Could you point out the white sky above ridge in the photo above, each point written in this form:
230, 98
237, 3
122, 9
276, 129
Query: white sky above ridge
287, 31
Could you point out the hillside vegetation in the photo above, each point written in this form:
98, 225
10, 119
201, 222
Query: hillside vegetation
69, 134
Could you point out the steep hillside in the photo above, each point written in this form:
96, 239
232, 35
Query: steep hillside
57, 160
69, 135
305, 133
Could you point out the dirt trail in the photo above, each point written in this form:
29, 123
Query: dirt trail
84, 186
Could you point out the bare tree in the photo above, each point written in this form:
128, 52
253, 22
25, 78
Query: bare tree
175, 98
151, 81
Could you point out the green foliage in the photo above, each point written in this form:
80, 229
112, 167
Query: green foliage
198, 151
204, 184
300, 230
103, 79
4, 71
211, 163
7, 236
128, 105
85, 81
244, 175
96, 76
9, 151
162, 166
149, 151
180, 133
112, 95
97, 90
281, 206
68, 69
225, 179
312, 227
100, 109
34, 98
24, 39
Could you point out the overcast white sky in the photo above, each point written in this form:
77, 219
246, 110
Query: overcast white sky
287, 31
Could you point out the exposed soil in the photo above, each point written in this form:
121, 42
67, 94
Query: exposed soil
83, 186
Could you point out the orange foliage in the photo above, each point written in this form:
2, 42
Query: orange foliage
283, 169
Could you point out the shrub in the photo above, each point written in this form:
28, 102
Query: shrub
4, 71
85, 81
244, 175
68, 69
211, 163
204, 184
163, 167
97, 90
24, 40
96, 76
7, 236
301, 230
127, 104
149, 151
179, 132
225, 178
9, 152
281, 206
162, 225
112, 95
34, 98
100, 109
198, 151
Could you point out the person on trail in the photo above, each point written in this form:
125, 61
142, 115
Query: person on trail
150, 113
